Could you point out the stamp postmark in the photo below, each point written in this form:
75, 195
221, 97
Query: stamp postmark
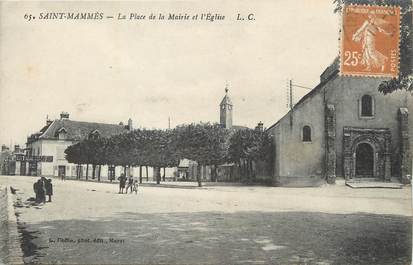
370, 41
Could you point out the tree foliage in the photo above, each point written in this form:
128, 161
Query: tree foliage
248, 146
205, 143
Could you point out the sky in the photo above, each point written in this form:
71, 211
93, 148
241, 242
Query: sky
110, 70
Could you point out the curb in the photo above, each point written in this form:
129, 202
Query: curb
15, 253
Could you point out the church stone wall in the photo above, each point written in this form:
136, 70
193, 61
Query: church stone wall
345, 94
295, 158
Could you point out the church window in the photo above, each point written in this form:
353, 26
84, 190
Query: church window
306, 133
366, 106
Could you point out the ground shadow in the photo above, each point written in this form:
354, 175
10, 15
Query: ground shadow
227, 238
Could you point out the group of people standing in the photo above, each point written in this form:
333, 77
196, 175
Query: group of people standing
131, 181
42, 188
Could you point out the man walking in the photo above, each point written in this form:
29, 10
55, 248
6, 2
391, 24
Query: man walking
122, 182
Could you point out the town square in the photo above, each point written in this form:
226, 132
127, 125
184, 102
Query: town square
215, 224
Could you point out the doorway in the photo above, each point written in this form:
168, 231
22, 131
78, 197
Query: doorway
364, 161
62, 172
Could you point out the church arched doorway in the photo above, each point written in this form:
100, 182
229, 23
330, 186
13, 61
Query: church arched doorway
364, 161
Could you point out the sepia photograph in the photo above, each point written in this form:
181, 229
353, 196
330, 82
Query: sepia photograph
206, 132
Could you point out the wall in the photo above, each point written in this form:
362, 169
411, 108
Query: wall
53, 148
345, 93
295, 158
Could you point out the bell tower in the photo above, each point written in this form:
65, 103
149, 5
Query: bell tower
225, 117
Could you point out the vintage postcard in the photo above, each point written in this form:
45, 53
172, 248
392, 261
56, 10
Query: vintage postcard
206, 132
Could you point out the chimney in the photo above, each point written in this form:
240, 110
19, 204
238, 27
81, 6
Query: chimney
64, 115
130, 128
260, 127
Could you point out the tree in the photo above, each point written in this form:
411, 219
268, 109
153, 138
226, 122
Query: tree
204, 143
74, 155
247, 147
405, 79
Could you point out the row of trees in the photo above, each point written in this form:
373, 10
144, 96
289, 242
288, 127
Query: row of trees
205, 143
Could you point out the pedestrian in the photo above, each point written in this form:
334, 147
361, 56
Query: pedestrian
40, 191
130, 182
43, 187
49, 189
135, 185
122, 182
36, 191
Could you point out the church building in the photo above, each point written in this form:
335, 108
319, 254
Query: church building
345, 128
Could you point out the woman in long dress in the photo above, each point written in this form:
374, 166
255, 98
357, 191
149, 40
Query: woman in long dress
371, 57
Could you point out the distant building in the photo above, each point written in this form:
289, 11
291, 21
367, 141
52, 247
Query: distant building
187, 169
9, 160
345, 128
225, 113
45, 149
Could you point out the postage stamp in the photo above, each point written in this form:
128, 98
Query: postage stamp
370, 41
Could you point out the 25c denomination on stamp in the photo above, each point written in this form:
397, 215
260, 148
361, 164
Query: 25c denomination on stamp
370, 41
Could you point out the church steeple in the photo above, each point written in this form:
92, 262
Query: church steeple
226, 110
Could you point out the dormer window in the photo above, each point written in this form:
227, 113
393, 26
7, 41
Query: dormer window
94, 135
61, 133
366, 106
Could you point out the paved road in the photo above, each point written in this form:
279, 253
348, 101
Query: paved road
89, 223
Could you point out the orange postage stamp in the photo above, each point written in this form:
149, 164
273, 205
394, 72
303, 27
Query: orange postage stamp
370, 41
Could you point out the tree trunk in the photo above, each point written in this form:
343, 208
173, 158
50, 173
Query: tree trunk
140, 174
157, 174
252, 171
124, 170
78, 171
99, 172
87, 171
241, 170
147, 176
93, 171
198, 175
163, 176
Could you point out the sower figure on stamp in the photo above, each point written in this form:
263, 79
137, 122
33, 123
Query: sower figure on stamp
371, 57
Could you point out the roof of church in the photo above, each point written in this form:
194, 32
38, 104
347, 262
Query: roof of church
77, 130
226, 100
